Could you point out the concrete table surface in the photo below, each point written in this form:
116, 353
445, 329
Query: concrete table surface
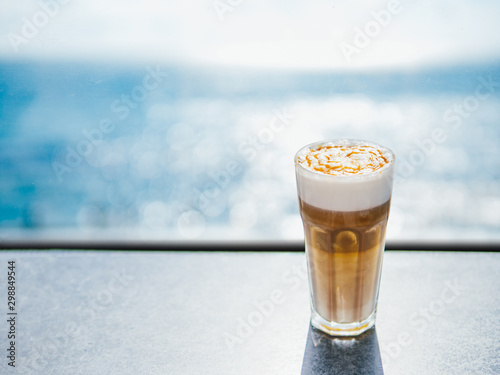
98, 312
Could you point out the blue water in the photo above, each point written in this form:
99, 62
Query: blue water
188, 152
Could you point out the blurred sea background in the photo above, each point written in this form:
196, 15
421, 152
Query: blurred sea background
160, 148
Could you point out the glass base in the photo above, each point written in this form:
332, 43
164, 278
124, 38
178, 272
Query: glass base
342, 329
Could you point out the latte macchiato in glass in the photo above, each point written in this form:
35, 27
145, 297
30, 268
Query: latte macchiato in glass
344, 188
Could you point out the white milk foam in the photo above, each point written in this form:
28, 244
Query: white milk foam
344, 192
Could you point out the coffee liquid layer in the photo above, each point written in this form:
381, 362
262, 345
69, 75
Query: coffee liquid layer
344, 253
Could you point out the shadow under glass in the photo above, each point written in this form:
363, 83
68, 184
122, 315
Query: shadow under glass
342, 355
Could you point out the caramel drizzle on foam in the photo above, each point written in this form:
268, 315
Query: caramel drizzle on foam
342, 160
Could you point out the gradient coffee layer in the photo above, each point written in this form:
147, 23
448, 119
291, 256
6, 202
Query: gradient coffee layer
344, 251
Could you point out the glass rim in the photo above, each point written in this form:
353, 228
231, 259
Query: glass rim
347, 141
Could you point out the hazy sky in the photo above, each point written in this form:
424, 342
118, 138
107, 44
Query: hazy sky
341, 34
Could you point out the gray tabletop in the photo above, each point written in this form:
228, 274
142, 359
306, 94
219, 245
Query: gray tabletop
241, 313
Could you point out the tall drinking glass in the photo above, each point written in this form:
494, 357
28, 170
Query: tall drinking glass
344, 189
